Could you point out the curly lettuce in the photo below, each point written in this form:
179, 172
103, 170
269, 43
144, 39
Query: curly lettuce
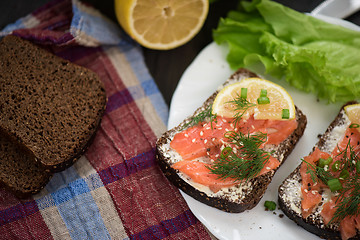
312, 55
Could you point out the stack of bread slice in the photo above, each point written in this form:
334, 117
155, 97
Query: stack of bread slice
50, 110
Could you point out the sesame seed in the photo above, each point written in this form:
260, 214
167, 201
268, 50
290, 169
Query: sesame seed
205, 141
313, 192
226, 129
231, 125
224, 120
207, 128
193, 140
235, 129
208, 153
305, 190
213, 139
268, 168
220, 128
217, 155
201, 133
252, 126
186, 135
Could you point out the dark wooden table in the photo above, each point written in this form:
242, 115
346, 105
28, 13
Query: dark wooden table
165, 66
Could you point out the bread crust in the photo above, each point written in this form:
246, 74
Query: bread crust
18, 173
258, 184
312, 224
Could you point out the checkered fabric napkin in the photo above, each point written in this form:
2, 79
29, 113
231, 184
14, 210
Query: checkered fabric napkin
116, 190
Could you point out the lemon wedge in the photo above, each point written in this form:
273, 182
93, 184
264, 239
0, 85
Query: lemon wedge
278, 98
161, 24
353, 113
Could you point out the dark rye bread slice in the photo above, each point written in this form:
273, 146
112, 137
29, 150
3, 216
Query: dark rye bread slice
50, 106
289, 193
18, 172
241, 197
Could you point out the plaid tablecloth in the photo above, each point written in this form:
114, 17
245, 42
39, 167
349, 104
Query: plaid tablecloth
116, 190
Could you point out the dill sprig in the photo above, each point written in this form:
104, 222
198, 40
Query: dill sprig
348, 157
241, 106
206, 115
317, 173
348, 199
248, 160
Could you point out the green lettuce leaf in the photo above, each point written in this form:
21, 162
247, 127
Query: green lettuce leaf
312, 55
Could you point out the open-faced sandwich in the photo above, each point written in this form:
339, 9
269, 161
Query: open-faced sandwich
227, 152
323, 193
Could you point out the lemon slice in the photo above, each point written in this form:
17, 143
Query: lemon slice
278, 96
353, 113
161, 24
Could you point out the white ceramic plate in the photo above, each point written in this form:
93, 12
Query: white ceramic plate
200, 80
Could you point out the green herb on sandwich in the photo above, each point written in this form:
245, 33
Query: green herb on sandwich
346, 185
203, 116
241, 106
245, 163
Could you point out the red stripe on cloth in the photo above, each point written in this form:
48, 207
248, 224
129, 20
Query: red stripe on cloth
93, 58
54, 19
31, 227
83, 56
58, 23
146, 201
21, 210
123, 135
179, 224
52, 9
128, 167
44, 36
21, 219
113, 79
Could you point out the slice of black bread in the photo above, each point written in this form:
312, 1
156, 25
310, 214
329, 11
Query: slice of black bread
240, 197
18, 172
289, 192
50, 106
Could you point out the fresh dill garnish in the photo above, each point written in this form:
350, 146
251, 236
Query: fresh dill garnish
206, 115
348, 200
317, 173
246, 162
348, 157
241, 106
